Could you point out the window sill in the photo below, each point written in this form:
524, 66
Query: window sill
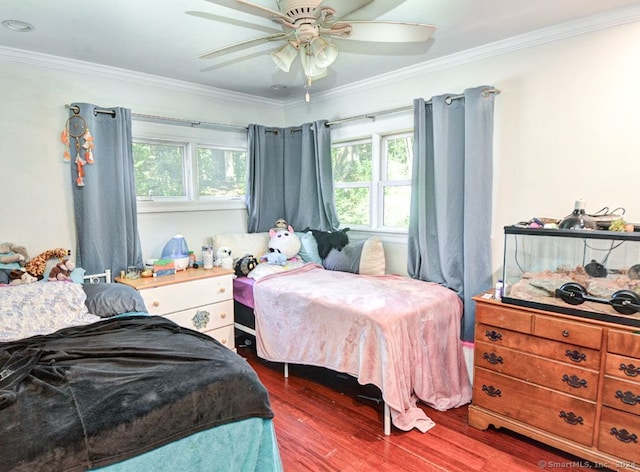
190, 206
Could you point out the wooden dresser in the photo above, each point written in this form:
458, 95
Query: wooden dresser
198, 299
569, 382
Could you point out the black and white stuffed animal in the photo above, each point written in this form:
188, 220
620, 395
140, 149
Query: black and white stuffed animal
328, 240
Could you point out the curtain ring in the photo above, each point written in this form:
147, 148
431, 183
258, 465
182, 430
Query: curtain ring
448, 100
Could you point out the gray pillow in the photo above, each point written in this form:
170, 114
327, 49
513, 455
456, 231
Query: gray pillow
106, 300
345, 260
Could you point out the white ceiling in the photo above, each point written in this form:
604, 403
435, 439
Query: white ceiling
157, 37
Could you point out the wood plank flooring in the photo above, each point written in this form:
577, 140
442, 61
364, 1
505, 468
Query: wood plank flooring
323, 424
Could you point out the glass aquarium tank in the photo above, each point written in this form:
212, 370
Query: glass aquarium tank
589, 273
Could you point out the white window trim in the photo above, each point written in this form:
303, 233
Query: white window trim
193, 137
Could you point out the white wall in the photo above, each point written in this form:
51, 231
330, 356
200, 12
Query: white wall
567, 123
37, 209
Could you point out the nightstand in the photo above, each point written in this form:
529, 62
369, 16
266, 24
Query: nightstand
198, 299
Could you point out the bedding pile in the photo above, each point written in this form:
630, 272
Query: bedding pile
118, 388
400, 334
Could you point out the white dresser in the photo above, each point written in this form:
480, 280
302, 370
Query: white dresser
198, 299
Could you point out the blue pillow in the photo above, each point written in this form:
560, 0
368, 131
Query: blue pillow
308, 247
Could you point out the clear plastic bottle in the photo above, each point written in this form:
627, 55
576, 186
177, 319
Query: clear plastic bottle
578, 219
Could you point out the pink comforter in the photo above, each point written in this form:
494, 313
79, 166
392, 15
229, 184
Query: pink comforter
397, 333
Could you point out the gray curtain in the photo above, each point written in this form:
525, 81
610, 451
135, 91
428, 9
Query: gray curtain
450, 220
290, 176
105, 207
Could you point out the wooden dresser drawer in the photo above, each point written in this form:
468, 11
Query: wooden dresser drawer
173, 298
559, 329
559, 351
504, 317
622, 395
205, 318
620, 435
624, 342
543, 408
545, 372
627, 368
226, 336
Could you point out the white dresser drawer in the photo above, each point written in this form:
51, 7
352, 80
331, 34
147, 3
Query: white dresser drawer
226, 336
195, 293
204, 318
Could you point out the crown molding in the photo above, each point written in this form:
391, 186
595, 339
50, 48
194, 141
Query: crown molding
115, 73
545, 35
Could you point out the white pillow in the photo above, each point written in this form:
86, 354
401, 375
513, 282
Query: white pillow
372, 260
241, 244
41, 308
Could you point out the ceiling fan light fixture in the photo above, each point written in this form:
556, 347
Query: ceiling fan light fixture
310, 66
323, 52
284, 56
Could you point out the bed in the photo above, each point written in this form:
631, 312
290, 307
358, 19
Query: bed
399, 334
90, 381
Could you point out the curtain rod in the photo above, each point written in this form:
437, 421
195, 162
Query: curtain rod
372, 116
157, 119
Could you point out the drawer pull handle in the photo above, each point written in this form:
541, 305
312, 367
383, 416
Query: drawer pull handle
156, 303
630, 370
222, 290
575, 356
200, 319
574, 381
492, 358
565, 333
628, 397
491, 391
223, 315
571, 418
493, 336
624, 435
223, 341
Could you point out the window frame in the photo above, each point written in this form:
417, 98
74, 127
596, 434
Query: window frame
192, 138
377, 132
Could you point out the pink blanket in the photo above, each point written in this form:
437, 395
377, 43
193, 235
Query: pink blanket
397, 333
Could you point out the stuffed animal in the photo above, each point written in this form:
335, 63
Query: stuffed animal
21, 276
275, 258
329, 239
285, 242
11, 258
280, 225
38, 265
245, 264
223, 258
62, 271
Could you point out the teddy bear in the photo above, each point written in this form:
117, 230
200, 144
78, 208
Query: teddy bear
21, 276
11, 258
62, 271
223, 258
244, 265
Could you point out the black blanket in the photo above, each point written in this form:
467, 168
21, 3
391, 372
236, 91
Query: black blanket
89, 396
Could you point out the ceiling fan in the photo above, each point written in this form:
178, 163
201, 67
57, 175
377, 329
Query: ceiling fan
309, 29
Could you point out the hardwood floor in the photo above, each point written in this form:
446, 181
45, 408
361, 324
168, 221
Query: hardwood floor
322, 425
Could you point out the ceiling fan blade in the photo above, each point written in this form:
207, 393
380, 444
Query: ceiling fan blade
233, 61
232, 21
252, 9
387, 31
243, 45
345, 7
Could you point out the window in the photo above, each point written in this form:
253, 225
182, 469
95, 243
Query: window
187, 167
372, 179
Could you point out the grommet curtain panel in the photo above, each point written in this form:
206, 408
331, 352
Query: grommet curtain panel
290, 176
449, 239
105, 206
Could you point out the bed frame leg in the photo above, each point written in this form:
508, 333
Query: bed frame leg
387, 420
286, 370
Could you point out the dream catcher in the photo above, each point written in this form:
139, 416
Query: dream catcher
77, 129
